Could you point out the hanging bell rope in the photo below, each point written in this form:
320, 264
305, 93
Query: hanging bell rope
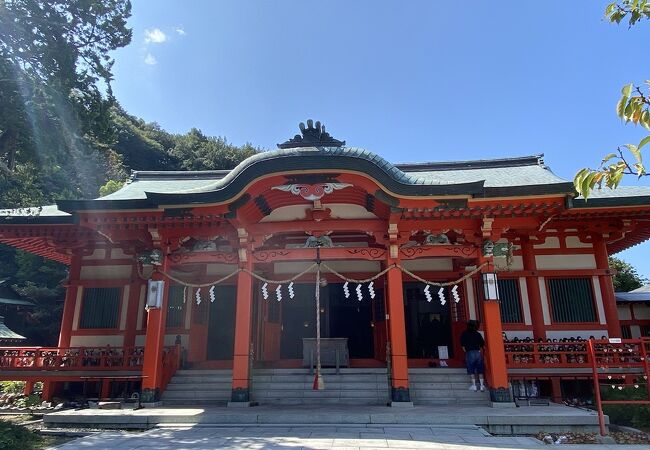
318, 380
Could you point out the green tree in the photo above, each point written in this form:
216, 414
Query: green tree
633, 106
626, 278
196, 151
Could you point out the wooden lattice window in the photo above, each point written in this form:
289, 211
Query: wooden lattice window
510, 300
176, 307
100, 308
572, 300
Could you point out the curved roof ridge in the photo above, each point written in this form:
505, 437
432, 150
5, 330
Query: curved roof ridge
515, 161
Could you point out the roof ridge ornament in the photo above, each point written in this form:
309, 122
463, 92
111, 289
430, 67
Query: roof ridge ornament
313, 135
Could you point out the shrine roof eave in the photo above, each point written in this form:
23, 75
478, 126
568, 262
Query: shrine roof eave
390, 178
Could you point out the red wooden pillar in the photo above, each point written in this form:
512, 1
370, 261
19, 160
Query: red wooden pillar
397, 335
70, 302
152, 368
29, 387
48, 391
243, 311
532, 288
495, 354
105, 389
606, 288
556, 389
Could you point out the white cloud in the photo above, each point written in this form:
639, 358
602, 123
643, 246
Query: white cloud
150, 60
155, 36
180, 31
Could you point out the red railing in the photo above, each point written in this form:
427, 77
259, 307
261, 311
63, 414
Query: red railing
71, 358
171, 363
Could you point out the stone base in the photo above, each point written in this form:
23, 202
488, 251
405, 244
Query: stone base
503, 405
109, 405
239, 404
401, 404
151, 404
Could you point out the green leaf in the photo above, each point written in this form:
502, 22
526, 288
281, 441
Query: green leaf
635, 151
608, 157
643, 142
620, 107
627, 90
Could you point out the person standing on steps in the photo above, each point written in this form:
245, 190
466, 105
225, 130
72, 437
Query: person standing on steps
473, 343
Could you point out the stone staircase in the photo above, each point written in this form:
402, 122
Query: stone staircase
358, 386
446, 386
199, 387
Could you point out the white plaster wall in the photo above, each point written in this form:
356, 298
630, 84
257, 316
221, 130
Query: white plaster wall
471, 299
98, 253
553, 334
141, 300
624, 312
428, 264
77, 308
544, 300
125, 306
525, 303
574, 242
599, 300
220, 269
642, 312
339, 266
550, 242
635, 330
139, 340
113, 272
548, 262
97, 341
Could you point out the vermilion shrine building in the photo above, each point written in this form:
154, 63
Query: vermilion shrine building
314, 199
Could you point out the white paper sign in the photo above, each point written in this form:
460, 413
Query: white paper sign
443, 352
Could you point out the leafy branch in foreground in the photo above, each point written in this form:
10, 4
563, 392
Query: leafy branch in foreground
633, 106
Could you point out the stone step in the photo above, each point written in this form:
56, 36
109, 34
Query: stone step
308, 378
433, 393
204, 372
201, 379
341, 385
227, 385
440, 386
190, 396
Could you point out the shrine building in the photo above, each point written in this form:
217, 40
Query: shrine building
219, 271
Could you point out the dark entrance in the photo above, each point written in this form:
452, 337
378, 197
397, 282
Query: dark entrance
340, 317
428, 324
221, 328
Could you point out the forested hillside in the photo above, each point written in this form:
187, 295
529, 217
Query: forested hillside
63, 133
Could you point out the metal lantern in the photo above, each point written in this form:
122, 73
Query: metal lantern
490, 286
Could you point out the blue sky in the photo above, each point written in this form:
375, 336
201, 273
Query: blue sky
411, 81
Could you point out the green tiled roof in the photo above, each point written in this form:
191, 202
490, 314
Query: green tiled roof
6, 333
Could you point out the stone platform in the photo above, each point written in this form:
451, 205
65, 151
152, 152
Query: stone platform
504, 421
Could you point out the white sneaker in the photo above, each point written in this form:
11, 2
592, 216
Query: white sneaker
472, 387
482, 388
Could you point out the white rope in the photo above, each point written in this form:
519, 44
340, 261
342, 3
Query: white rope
352, 280
187, 283
288, 280
449, 283
318, 374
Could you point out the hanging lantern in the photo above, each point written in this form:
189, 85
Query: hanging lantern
490, 286
427, 293
290, 289
265, 291
441, 296
454, 292
211, 291
346, 290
